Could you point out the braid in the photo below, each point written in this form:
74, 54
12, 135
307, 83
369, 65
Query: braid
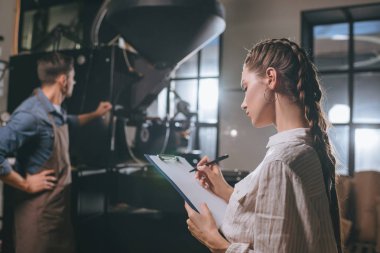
310, 95
302, 83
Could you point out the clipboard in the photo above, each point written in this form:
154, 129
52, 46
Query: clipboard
176, 170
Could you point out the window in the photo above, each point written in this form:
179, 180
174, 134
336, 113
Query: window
345, 46
196, 82
51, 26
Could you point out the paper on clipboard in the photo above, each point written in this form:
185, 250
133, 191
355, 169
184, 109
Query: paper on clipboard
176, 171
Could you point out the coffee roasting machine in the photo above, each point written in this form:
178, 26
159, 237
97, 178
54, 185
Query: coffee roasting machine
125, 52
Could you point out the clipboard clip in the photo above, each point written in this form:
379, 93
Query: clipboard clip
168, 158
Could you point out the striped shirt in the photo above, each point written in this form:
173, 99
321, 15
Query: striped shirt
282, 205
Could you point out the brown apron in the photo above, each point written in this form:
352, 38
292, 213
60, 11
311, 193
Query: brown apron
42, 221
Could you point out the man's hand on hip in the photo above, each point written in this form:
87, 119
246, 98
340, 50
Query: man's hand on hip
41, 181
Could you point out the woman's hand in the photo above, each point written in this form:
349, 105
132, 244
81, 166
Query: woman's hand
203, 227
211, 178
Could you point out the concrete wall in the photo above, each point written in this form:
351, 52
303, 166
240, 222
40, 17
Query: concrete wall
249, 21
7, 19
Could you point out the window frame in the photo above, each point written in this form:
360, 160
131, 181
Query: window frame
198, 78
349, 15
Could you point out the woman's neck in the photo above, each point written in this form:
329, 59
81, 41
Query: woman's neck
289, 115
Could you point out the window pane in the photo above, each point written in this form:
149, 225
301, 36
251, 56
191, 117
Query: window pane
339, 136
187, 93
59, 25
336, 103
208, 100
367, 144
367, 44
366, 98
331, 46
210, 59
207, 141
158, 106
27, 30
189, 68
67, 15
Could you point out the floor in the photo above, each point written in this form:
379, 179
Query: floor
138, 232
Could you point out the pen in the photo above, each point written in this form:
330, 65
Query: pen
218, 159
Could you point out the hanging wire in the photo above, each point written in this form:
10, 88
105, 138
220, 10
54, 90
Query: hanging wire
4, 70
97, 22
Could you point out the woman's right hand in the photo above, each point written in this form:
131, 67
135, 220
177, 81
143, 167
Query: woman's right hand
211, 178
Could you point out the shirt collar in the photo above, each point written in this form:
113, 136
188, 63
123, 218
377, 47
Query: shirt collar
293, 135
46, 103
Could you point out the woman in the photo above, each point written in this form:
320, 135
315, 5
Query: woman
288, 203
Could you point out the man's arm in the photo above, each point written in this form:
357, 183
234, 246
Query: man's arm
33, 183
22, 126
102, 109
14, 179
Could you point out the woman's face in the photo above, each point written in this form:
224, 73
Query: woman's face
256, 106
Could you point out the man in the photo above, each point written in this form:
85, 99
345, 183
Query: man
38, 134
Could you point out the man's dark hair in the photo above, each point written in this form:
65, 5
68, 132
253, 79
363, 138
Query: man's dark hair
51, 65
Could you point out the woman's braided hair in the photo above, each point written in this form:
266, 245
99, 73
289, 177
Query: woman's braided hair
301, 82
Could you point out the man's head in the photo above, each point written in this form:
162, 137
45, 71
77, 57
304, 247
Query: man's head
57, 69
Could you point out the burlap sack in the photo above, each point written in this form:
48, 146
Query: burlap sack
345, 226
377, 224
343, 188
366, 188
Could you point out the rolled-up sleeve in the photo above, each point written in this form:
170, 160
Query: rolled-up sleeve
240, 248
279, 225
72, 120
269, 211
22, 126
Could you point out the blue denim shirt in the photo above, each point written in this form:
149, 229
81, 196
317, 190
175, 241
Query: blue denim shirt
29, 134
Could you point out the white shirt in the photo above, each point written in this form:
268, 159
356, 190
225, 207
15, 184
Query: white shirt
281, 206
58, 108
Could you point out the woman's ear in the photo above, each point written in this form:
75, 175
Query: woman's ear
271, 75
